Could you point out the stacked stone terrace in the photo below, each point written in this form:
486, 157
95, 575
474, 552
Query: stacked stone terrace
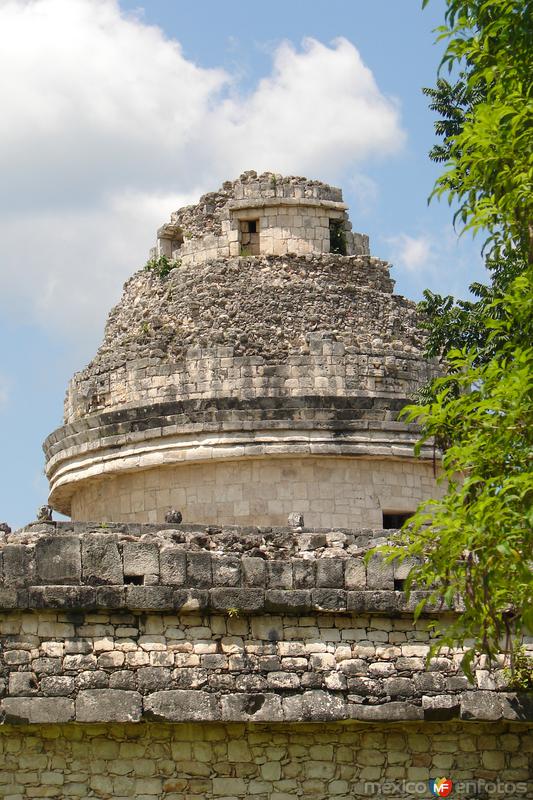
242, 387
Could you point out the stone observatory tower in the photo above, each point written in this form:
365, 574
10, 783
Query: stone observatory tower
263, 375
207, 625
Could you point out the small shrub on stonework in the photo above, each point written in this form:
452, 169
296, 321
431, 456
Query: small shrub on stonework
161, 265
520, 676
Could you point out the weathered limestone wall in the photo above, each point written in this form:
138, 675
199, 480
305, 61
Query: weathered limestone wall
192, 624
265, 762
297, 227
161, 661
252, 327
126, 666
345, 492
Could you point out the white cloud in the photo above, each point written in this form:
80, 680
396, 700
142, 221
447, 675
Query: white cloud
420, 261
411, 253
106, 127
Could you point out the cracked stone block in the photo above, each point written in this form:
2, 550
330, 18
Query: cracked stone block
101, 562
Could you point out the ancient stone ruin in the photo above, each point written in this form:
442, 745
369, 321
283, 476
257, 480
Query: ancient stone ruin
207, 624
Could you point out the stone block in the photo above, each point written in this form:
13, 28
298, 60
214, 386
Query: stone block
150, 598
226, 570
293, 601
329, 599
429, 682
108, 705
379, 575
199, 570
23, 683
19, 565
13, 598
123, 679
267, 628
480, 706
253, 571
399, 687
191, 600
330, 573
111, 597
258, 707
385, 602
38, 710
181, 705
92, 679
58, 560
153, 679
304, 573
279, 574
140, 559
283, 680
57, 685
388, 712
100, 558
517, 706
355, 574
64, 597
441, 707
245, 601
173, 567
314, 706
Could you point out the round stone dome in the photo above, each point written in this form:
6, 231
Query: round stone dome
240, 388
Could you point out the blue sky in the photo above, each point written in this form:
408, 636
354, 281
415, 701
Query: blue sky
115, 114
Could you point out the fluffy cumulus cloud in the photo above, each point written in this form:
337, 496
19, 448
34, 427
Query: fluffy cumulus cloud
106, 127
412, 253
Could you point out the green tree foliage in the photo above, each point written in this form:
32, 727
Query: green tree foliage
475, 546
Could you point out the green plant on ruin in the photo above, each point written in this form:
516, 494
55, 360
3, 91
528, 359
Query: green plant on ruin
245, 251
233, 612
161, 265
520, 675
475, 544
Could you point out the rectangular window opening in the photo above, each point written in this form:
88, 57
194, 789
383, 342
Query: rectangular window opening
134, 580
337, 237
394, 520
249, 233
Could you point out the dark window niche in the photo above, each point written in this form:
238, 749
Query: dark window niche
249, 233
134, 580
399, 584
337, 237
395, 519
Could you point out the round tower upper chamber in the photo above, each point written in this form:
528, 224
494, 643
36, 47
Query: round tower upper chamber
261, 376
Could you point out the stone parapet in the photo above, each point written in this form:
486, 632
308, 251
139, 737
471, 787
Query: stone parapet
128, 623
